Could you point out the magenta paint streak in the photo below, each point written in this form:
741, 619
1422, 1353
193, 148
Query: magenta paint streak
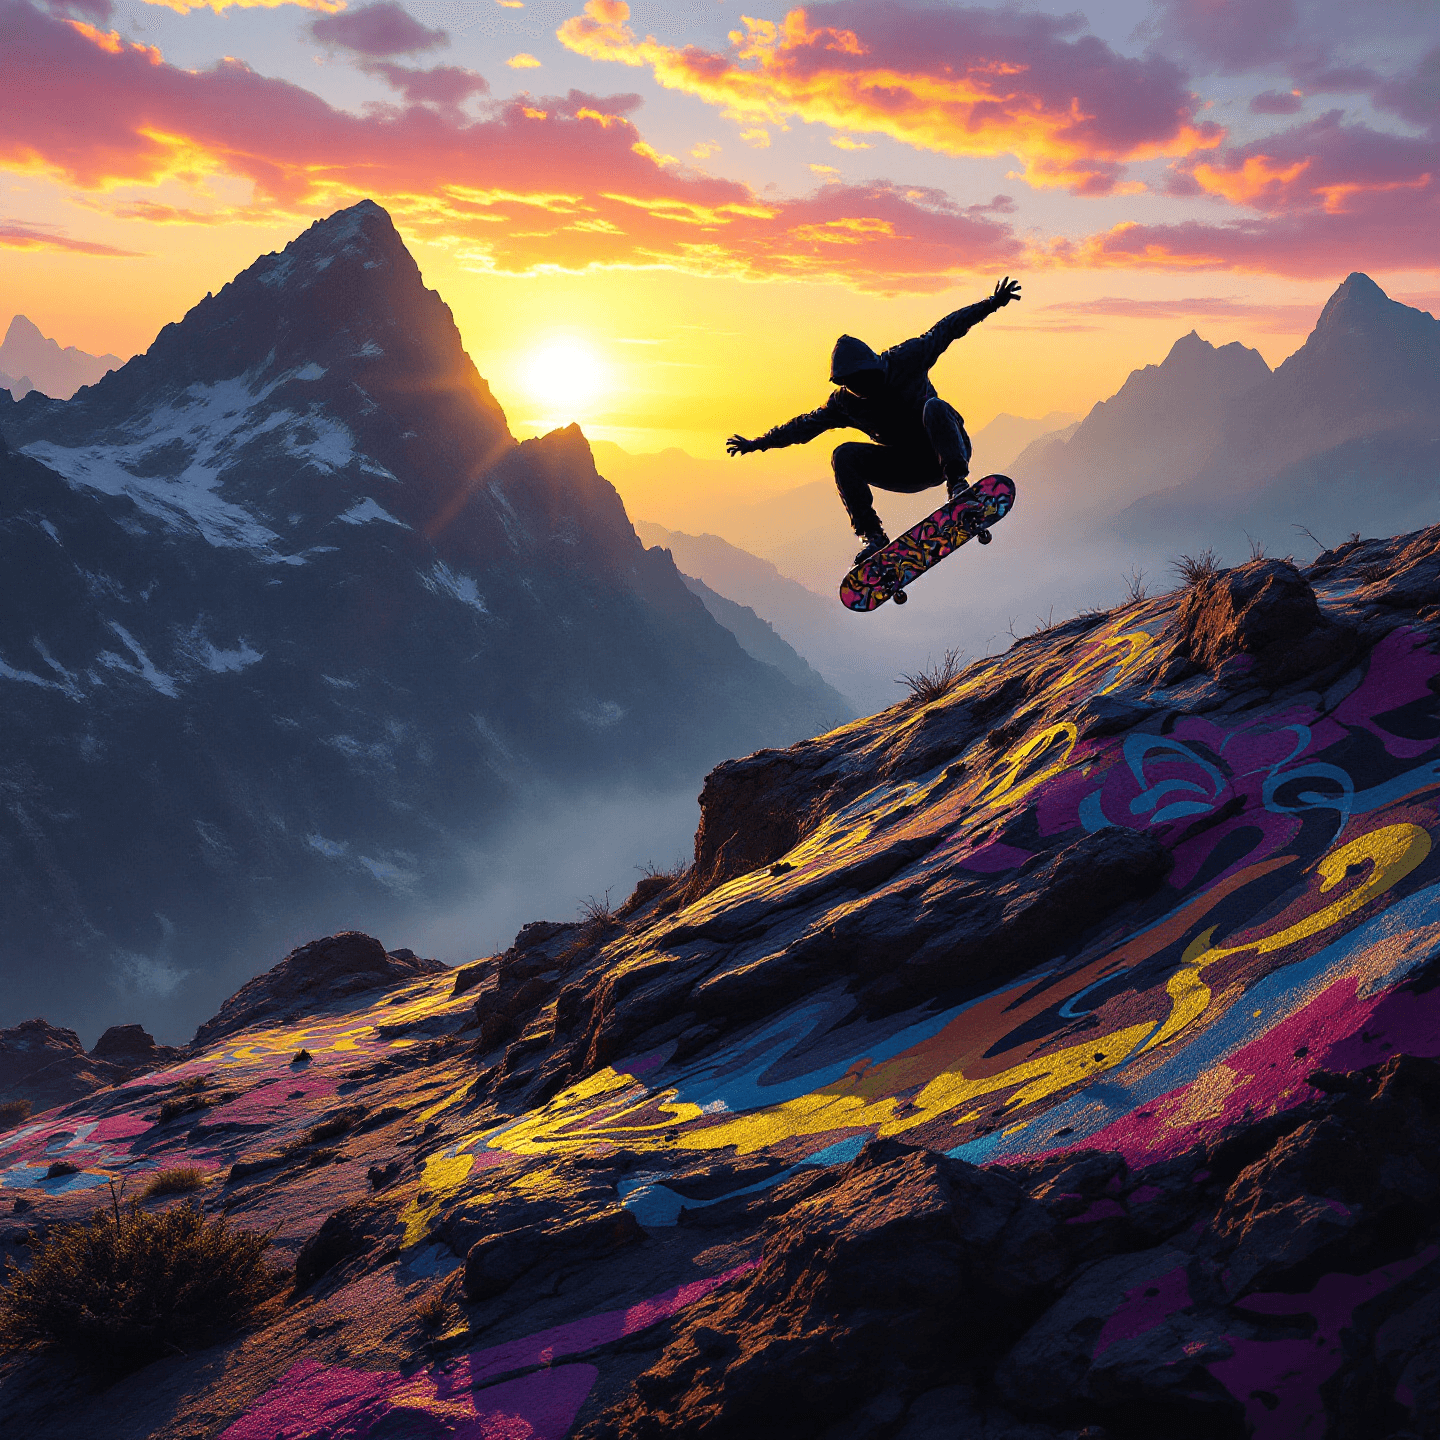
1399, 668
1099, 1210
1140, 1312
331, 1402
1289, 1373
992, 858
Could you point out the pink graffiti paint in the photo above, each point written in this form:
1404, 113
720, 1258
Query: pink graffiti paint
331, 1402
1270, 1077
1145, 1307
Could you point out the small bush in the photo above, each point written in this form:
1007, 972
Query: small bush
1198, 569
936, 682
13, 1112
1135, 587
193, 1086
340, 1123
175, 1180
597, 914
433, 1311
302, 1057
127, 1287
178, 1105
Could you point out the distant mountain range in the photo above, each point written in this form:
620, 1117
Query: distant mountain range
1212, 447
291, 629
30, 361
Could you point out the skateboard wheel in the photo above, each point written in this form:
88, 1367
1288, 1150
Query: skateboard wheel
899, 597
983, 537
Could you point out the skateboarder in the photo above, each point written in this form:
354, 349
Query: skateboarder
919, 439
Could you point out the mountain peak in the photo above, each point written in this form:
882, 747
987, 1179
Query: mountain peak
23, 331
1358, 301
364, 232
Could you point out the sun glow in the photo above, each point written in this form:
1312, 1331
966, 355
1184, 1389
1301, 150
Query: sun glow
565, 377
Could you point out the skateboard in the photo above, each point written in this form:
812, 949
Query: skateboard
887, 572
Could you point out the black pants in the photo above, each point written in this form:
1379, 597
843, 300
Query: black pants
940, 452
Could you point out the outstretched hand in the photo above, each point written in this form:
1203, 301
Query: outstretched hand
739, 445
1006, 290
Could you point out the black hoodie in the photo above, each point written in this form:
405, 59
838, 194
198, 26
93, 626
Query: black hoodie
892, 416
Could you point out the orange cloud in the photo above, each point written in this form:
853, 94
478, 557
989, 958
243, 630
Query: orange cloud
557, 183
1328, 197
961, 82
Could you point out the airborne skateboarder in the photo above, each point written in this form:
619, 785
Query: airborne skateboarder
920, 441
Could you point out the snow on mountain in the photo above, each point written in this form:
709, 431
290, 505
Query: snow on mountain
287, 574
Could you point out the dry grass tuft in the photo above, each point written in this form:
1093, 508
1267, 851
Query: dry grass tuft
126, 1287
433, 1311
935, 682
1197, 570
174, 1180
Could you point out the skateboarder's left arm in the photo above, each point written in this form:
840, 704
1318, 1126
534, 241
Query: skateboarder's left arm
926, 349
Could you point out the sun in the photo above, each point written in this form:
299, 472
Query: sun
565, 377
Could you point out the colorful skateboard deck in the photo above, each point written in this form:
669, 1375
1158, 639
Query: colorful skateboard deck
887, 572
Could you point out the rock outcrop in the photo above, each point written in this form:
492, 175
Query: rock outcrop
1056, 1054
311, 977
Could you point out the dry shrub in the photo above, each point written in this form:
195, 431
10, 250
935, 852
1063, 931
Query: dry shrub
174, 1180
935, 682
13, 1112
1195, 570
126, 1287
1135, 587
433, 1311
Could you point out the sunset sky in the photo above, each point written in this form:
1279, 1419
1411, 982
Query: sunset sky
655, 218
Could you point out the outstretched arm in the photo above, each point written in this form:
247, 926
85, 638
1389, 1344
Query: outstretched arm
792, 432
930, 346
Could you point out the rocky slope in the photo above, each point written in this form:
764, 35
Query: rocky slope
290, 625
1053, 1055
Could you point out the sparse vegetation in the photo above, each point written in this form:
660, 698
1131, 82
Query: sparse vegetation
1257, 547
174, 1180
433, 1311
935, 682
597, 913
302, 1057
127, 1287
1135, 587
13, 1112
340, 1123
1196, 570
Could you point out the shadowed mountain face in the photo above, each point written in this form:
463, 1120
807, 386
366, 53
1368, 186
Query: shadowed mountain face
31, 361
289, 625
1054, 1051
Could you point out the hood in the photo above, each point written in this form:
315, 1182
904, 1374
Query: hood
849, 357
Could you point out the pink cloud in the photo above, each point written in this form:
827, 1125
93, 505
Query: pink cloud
958, 81
380, 29
553, 182
16, 235
1229, 35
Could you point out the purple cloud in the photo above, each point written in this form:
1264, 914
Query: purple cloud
445, 85
1277, 102
378, 30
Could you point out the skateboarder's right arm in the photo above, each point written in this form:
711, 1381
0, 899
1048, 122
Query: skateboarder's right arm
793, 432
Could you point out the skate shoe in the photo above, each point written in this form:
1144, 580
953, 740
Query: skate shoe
874, 540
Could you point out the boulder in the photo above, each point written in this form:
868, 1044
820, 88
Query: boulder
313, 976
46, 1065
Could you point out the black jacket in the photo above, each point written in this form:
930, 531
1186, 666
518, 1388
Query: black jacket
893, 416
